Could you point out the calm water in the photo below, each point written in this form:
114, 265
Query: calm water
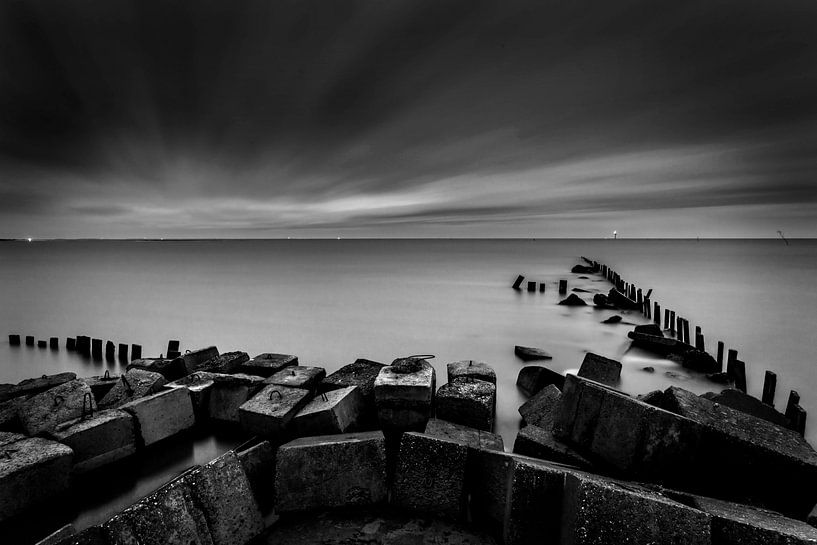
330, 302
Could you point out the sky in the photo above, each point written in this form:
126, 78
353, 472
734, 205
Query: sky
420, 118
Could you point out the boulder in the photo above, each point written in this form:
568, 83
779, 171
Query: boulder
751, 405
538, 410
331, 471
614, 319
226, 363
573, 300
533, 378
193, 359
467, 401
404, 399
222, 491
600, 511
132, 385
43, 412
471, 369
601, 301
228, 393
198, 385
529, 353
269, 411
539, 442
430, 475
600, 369
298, 376
31, 386
162, 415
171, 369
267, 364
104, 438
258, 461
333, 412
32, 471
688, 356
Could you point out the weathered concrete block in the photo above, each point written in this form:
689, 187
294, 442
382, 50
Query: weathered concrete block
100, 385
430, 475
404, 399
271, 409
168, 516
194, 358
58, 536
229, 392
534, 503
227, 363
750, 405
258, 462
104, 438
331, 471
89, 536
267, 364
466, 435
597, 511
132, 385
486, 480
533, 378
333, 412
33, 386
222, 491
469, 402
198, 385
600, 369
9, 414
162, 415
538, 410
45, 411
362, 373
471, 369
32, 470
171, 369
298, 376
537, 442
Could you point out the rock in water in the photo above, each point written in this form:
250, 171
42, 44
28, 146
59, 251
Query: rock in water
612, 319
528, 353
533, 378
600, 369
573, 300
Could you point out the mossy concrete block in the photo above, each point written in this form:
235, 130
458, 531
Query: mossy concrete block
43, 412
600, 369
404, 400
267, 364
162, 415
332, 412
430, 475
258, 461
298, 376
269, 411
362, 373
471, 369
102, 439
331, 471
171, 369
132, 385
222, 491
198, 385
534, 503
599, 511
193, 359
537, 442
32, 386
538, 410
32, 470
467, 401
227, 363
228, 393
533, 378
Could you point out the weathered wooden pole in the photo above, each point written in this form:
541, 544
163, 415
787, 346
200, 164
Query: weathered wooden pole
562, 287
686, 331
672, 321
656, 314
14, 340
135, 352
110, 351
769, 386
679, 327
720, 354
70, 344
123, 352
173, 346
739, 371
96, 349
29, 340
41, 344
731, 356
518, 282
84, 345
54, 343
795, 413
666, 318
699, 340
531, 287
542, 287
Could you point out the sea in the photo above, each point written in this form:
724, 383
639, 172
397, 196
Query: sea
332, 301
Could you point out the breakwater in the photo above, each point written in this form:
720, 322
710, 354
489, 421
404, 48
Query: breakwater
599, 442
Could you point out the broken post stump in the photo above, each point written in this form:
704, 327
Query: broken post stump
531, 286
562, 287
135, 352
96, 349
518, 282
110, 351
29, 340
14, 340
172, 349
70, 344
54, 343
769, 386
123, 352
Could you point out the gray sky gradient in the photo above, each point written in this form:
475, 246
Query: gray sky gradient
259, 118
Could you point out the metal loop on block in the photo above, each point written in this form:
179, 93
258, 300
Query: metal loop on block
89, 413
420, 357
280, 396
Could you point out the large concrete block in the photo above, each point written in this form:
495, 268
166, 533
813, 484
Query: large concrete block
226, 363
536, 442
332, 412
466, 435
471, 369
600, 369
267, 364
222, 491
198, 385
258, 461
32, 470
467, 401
298, 376
404, 394
43, 412
228, 393
538, 410
533, 378
31, 386
171, 369
331, 471
9, 414
362, 373
100, 385
162, 415
534, 503
132, 385
270, 411
750, 405
102, 439
192, 359
430, 475
598, 511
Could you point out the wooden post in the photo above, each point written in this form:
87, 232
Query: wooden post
96, 349
794, 399
110, 351
518, 282
720, 354
173, 346
739, 371
769, 386
531, 288
666, 318
14, 340
699, 340
70, 344
679, 328
647, 308
542, 287
639, 298
731, 357
84, 345
41, 344
29, 340
54, 343
123, 352
656, 314
135, 352
562, 287
798, 419
686, 331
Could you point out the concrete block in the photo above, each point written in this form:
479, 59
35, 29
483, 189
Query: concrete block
198, 385
331, 471
538, 410
750, 405
598, 511
33, 386
171, 369
534, 503
9, 414
258, 462
486, 480
222, 491
430, 475
471, 369
227, 363
600, 369
192, 359
467, 401
468, 436
533, 378
228, 393
132, 385
362, 373
333, 412
404, 400
298, 376
102, 439
162, 415
32, 470
100, 385
269, 411
537, 442
43, 412
58, 536
267, 364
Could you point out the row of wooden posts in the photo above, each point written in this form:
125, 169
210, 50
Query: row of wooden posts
517, 285
86, 346
680, 327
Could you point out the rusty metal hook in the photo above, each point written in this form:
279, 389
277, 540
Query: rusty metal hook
420, 357
58, 400
90, 412
280, 396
